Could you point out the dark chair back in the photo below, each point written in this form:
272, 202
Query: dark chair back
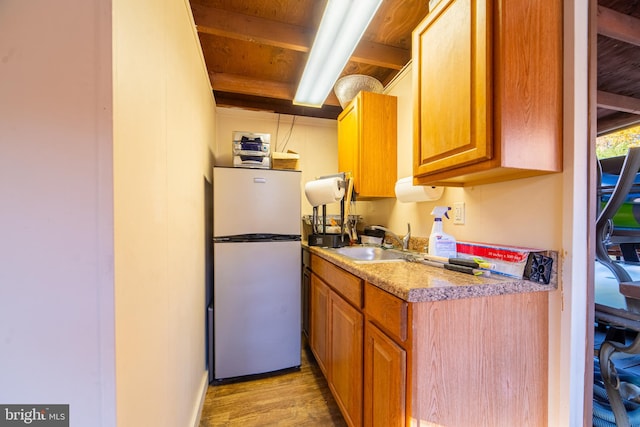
604, 223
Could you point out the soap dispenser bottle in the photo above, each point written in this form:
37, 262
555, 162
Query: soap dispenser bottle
440, 243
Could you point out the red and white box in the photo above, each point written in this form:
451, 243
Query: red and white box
508, 260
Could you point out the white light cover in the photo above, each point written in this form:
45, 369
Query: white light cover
343, 24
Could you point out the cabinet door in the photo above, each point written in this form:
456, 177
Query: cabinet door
378, 144
367, 143
346, 358
452, 80
348, 137
319, 322
385, 372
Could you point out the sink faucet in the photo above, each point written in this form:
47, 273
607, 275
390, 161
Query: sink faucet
404, 242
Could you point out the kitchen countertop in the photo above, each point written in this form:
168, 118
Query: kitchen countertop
415, 282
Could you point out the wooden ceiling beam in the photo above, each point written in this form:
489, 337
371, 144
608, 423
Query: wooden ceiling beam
234, 83
612, 101
608, 125
381, 55
238, 26
326, 112
618, 26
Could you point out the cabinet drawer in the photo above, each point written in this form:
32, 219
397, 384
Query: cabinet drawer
343, 282
388, 311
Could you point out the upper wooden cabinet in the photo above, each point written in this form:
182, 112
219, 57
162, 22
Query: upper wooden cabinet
487, 81
367, 144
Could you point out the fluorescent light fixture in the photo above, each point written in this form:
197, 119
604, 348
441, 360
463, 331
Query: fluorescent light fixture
342, 26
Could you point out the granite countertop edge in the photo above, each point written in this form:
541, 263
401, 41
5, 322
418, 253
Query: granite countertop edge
414, 282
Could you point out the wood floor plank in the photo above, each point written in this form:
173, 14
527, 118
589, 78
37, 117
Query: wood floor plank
293, 399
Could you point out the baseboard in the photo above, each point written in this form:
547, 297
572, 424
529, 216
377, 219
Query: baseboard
204, 385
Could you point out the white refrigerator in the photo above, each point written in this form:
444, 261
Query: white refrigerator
256, 272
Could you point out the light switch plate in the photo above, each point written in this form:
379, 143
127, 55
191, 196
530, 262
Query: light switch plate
458, 213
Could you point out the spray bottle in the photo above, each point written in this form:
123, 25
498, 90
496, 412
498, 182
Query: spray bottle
440, 243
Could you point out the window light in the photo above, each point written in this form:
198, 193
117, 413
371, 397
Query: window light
343, 24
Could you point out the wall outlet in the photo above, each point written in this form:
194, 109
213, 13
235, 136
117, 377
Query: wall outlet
458, 213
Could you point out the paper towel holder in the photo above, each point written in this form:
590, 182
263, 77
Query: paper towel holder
406, 192
321, 237
325, 184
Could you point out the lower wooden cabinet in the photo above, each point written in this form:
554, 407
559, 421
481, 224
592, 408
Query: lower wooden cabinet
346, 336
385, 379
337, 335
465, 362
366, 369
319, 322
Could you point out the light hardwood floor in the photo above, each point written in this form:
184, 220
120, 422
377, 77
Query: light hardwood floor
294, 399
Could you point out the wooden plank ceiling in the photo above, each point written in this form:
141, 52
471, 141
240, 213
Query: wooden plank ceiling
618, 64
256, 50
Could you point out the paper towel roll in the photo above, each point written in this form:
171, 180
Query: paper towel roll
324, 191
407, 192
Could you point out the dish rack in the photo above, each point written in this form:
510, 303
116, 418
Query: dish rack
332, 222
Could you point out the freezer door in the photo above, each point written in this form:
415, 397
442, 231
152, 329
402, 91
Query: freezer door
256, 307
255, 201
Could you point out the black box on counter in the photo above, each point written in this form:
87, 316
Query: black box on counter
328, 240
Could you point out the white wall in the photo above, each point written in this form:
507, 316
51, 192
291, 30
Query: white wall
56, 244
569, 318
102, 159
164, 121
315, 140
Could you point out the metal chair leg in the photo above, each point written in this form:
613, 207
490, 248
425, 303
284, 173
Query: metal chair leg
610, 377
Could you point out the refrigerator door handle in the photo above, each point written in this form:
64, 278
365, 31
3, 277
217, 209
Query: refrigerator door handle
257, 237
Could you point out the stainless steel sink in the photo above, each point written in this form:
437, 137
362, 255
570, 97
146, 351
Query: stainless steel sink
369, 254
